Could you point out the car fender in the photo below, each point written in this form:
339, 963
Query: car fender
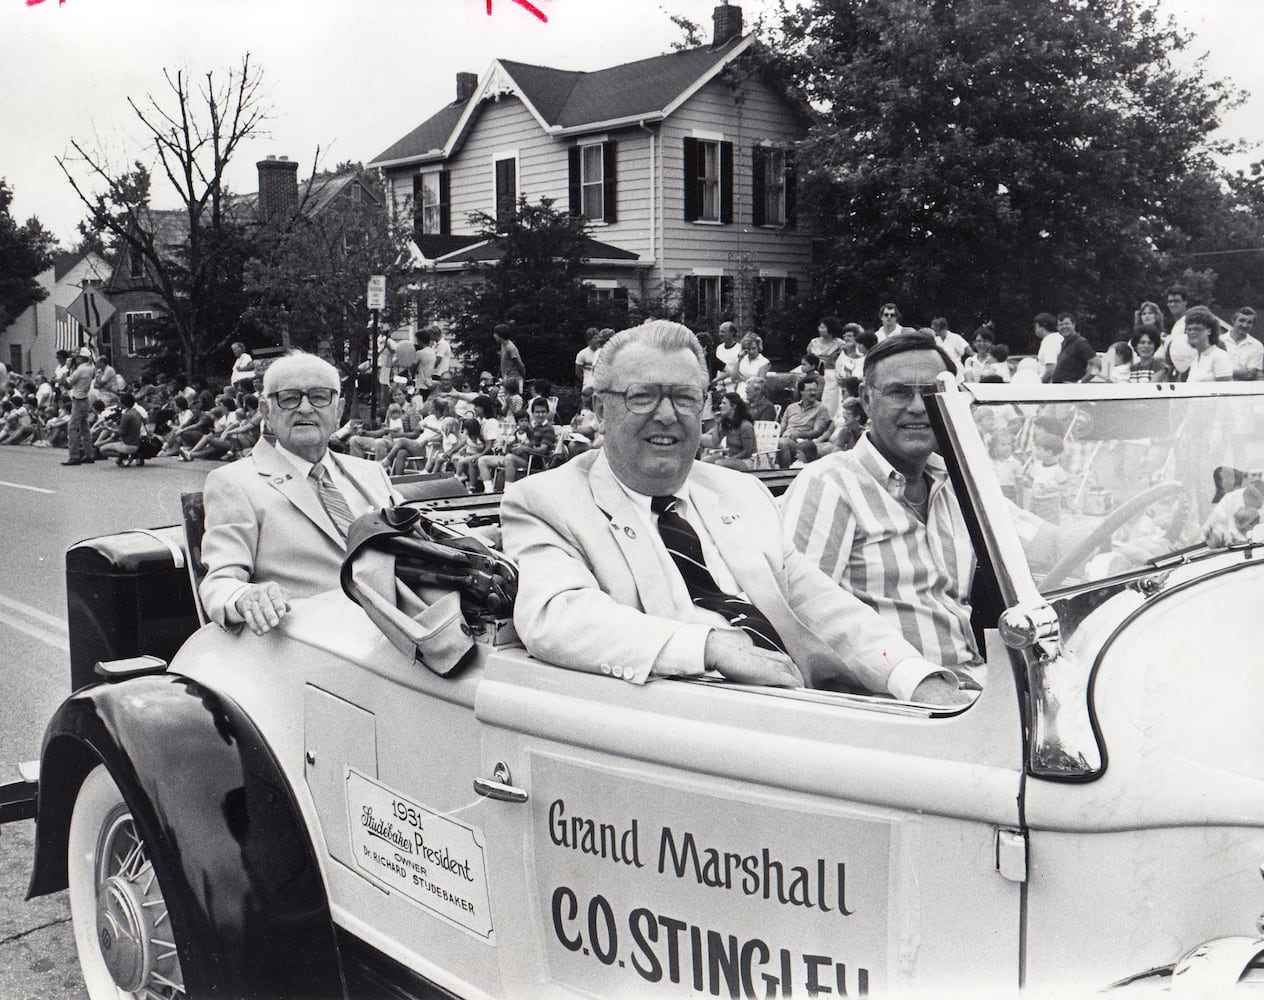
225, 835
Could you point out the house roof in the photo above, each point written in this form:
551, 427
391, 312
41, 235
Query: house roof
570, 99
67, 261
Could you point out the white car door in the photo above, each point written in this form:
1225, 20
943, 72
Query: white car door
694, 838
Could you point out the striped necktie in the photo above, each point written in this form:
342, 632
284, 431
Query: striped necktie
686, 551
331, 499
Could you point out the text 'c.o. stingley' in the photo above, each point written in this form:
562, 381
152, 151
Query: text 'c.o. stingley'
820, 885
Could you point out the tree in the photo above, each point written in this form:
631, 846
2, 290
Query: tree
194, 135
307, 281
536, 287
26, 251
994, 158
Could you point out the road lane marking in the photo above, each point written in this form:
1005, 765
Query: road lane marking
36, 632
26, 609
22, 486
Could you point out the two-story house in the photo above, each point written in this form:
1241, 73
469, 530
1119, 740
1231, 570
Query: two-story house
683, 164
30, 342
132, 287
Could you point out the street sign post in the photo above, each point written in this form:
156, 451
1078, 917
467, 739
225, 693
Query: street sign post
91, 309
376, 296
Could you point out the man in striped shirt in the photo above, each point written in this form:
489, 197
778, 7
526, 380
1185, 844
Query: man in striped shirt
882, 520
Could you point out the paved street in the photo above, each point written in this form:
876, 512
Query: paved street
44, 508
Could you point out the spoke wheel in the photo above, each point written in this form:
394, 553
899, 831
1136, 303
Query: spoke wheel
122, 928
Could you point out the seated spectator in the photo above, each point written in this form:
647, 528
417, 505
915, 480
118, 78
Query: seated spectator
1093, 370
418, 440
583, 432
510, 399
1148, 367
472, 446
1048, 478
442, 455
998, 362
733, 441
1211, 363
55, 427
125, 449
851, 358
849, 426
803, 424
536, 441
758, 405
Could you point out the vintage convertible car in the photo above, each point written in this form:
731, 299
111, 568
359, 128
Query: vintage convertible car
312, 813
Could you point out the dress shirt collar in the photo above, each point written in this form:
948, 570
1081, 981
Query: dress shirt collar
893, 480
301, 465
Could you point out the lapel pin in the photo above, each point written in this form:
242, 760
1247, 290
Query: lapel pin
627, 530
728, 518
277, 481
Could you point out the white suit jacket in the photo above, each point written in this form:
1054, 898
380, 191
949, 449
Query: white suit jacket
263, 522
593, 594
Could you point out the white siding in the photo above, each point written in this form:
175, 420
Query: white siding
762, 117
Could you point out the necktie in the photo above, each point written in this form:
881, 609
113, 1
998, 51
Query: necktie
686, 551
331, 499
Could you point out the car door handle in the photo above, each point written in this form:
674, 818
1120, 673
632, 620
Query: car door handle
498, 786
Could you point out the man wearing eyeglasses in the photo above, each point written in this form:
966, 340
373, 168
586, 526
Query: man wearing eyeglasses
276, 522
636, 561
882, 521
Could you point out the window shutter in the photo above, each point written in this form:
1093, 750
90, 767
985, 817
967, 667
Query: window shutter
792, 288
621, 298
759, 157
689, 295
726, 182
506, 200
761, 298
445, 206
726, 294
609, 189
417, 228
693, 185
792, 190
573, 181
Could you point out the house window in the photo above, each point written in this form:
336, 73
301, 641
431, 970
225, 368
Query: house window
592, 181
708, 180
774, 293
506, 191
356, 194
133, 331
772, 187
708, 296
135, 264
430, 203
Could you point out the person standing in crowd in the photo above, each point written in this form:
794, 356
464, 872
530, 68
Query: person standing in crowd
727, 351
426, 360
954, 345
443, 355
586, 359
1050, 341
79, 384
242, 377
889, 315
750, 364
826, 347
1245, 352
851, 359
511, 364
1202, 332
1177, 352
1074, 354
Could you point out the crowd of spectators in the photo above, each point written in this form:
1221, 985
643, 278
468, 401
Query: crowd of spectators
499, 428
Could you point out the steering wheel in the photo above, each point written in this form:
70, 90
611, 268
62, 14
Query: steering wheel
1100, 536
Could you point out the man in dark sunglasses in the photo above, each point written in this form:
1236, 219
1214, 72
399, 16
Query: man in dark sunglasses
276, 521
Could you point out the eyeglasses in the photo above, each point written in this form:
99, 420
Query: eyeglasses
644, 397
888, 315
902, 393
292, 399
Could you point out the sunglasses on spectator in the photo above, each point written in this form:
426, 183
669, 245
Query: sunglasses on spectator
292, 399
644, 397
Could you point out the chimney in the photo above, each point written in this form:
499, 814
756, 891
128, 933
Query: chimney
278, 187
728, 23
466, 84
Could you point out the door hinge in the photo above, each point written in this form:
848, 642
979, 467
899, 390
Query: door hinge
1011, 855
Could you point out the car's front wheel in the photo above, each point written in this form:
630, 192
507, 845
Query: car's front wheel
122, 928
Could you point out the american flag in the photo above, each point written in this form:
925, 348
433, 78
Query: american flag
70, 335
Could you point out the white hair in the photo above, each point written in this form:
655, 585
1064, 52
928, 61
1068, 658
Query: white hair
295, 361
660, 334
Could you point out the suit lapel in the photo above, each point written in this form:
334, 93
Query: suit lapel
735, 538
368, 487
626, 528
282, 477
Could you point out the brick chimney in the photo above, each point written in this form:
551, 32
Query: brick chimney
466, 84
728, 23
278, 187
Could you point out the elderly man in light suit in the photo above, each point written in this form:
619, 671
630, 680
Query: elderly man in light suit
602, 589
276, 521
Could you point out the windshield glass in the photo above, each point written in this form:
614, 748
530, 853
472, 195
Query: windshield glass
1102, 487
